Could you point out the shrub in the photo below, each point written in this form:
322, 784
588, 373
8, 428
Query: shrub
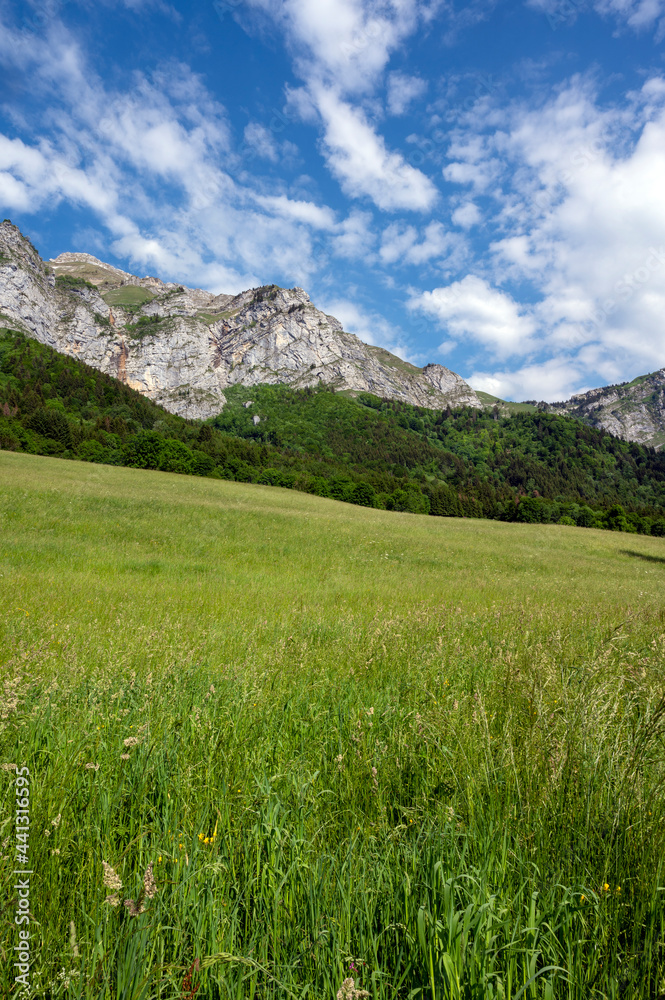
175, 457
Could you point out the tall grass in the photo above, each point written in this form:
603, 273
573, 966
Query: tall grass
426, 755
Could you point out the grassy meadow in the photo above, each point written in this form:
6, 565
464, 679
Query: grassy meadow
423, 753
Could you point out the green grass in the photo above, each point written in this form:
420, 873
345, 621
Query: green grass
391, 360
265, 650
128, 295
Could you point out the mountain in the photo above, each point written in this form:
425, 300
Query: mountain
634, 411
183, 347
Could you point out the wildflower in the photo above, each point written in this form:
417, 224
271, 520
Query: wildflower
55, 850
618, 889
349, 991
606, 887
111, 878
338, 761
582, 898
8, 767
132, 741
113, 900
124, 756
92, 767
56, 822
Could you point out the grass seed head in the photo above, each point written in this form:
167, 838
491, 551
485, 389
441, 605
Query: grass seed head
349, 991
149, 884
111, 878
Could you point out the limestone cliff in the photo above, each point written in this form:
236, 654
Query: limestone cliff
182, 347
634, 410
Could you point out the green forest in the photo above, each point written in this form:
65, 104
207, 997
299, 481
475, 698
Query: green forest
529, 467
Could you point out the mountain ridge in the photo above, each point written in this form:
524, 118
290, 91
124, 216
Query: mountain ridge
633, 410
183, 347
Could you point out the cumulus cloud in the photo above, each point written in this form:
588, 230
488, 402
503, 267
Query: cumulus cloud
354, 237
316, 216
578, 219
554, 379
471, 309
347, 42
466, 215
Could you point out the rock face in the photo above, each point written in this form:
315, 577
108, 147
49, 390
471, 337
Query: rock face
634, 411
182, 347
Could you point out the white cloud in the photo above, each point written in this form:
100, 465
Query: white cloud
467, 215
341, 48
555, 379
298, 211
639, 15
261, 141
402, 90
348, 42
359, 159
354, 238
578, 225
471, 309
368, 326
401, 243
152, 162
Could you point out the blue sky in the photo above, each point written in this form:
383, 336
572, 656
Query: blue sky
480, 185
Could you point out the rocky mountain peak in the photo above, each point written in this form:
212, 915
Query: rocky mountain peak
183, 346
633, 410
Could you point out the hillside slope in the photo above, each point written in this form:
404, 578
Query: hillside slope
367, 451
183, 347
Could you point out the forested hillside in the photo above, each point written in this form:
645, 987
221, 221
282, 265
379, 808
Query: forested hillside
470, 463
